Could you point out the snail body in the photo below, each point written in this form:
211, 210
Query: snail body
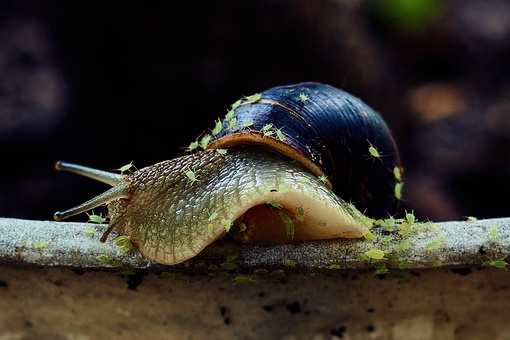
297, 166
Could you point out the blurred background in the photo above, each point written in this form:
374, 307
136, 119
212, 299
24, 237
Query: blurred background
106, 83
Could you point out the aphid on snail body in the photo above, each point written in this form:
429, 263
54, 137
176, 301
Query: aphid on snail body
167, 216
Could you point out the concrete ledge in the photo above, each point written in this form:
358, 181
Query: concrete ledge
445, 244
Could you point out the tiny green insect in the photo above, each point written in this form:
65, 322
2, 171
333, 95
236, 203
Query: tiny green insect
274, 204
227, 224
243, 279
387, 238
104, 258
254, 97
494, 232
232, 123
222, 152
373, 151
267, 130
280, 135
236, 104
375, 254
90, 231
217, 127
290, 228
398, 190
39, 245
126, 167
212, 217
369, 236
191, 176
95, 218
124, 242
499, 263
381, 270
248, 124
192, 146
410, 217
323, 179
229, 115
334, 266
402, 246
204, 141
300, 214
303, 98
290, 263
397, 173
471, 218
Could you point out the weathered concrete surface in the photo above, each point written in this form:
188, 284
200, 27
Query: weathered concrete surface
57, 281
59, 303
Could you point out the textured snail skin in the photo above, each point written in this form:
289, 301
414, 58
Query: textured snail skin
176, 228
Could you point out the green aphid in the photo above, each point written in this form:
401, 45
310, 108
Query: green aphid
229, 115
261, 271
267, 130
402, 246
222, 152
410, 218
290, 263
103, 258
290, 228
191, 176
236, 104
303, 98
381, 270
300, 214
494, 232
126, 167
397, 172
496, 263
217, 127
124, 242
227, 224
369, 236
248, 124
372, 150
232, 123
95, 218
231, 258
274, 204
280, 135
90, 231
193, 145
204, 141
243, 279
375, 254
324, 179
387, 238
228, 266
212, 217
406, 263
334, 266
39, 245
398, 190
254, 97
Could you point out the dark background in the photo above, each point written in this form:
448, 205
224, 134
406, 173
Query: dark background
105, 83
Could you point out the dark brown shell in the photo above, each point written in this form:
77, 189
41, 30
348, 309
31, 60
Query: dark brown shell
330, 132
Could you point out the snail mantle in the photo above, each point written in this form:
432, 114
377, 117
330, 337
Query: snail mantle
466, 244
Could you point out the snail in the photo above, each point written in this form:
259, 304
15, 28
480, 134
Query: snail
293, 163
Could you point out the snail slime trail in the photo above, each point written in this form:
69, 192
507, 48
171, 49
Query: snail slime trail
286, 165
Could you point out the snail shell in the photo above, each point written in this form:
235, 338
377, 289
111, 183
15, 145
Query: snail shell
265, 189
